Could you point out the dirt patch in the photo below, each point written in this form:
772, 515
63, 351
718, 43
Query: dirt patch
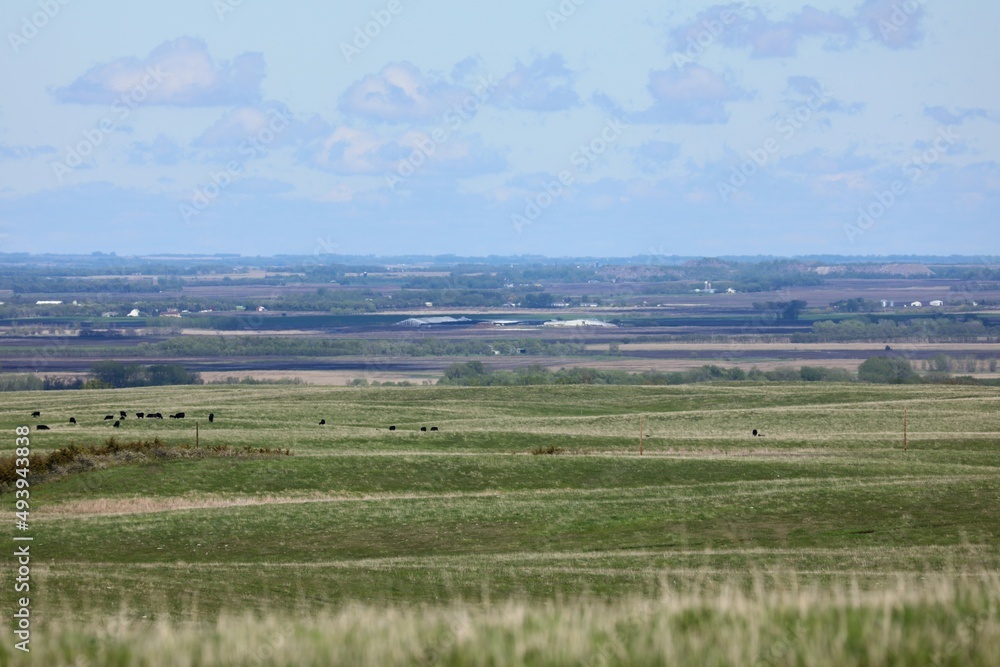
664, 365
148, 505
249, 332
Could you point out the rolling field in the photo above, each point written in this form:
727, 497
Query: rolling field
822, 542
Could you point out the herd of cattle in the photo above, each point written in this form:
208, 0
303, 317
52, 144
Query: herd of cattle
211, 418
121, 417
180, 415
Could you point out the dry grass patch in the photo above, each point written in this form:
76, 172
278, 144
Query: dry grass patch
150, 505
937, 620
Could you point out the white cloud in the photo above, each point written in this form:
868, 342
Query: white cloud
546, 84
400, 92
692, 94
179, 73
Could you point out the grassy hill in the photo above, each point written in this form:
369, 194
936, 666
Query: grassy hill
475, 543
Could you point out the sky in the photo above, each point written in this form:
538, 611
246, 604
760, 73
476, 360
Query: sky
551, 127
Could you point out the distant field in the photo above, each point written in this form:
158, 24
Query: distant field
461, 544
804, 347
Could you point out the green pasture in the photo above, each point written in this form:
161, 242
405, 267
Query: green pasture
827, 499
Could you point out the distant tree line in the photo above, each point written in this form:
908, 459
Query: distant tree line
118, 375
785, 310
877, 370
936, 330
476, 374
252, 346
104, 375
271, 346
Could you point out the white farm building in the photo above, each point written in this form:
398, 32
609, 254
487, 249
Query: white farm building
578, 323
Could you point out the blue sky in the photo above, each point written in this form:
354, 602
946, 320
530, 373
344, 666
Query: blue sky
559, 128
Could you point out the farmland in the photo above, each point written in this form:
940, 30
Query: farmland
585, 509
527, 525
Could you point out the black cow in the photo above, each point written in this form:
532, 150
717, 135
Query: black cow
117, 424
754, 433
36, 413
140, 415
179, 415
41, 427
322, 422
211, 417
122, 413
156, 415
392, 428
434, 428
72, 420
423, 428
107, 417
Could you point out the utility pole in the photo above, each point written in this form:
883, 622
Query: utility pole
640, 435
904, 429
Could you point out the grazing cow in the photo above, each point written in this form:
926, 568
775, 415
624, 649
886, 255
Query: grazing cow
41, 427
117, 424
211, 417
322, 422
423, 428
140, 415
156, 415
180, 415
392, 428
72, 420
107, 417
122, 413
36, 413
434, 428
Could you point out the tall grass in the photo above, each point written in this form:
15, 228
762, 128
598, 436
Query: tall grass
935, 620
